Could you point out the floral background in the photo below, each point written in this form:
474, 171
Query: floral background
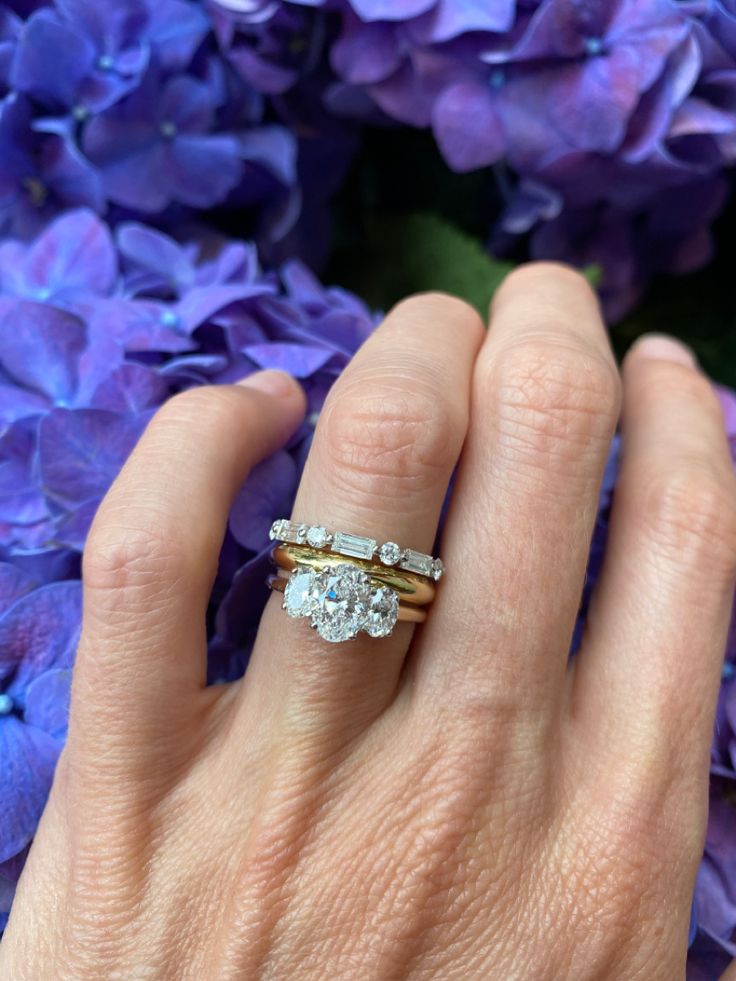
179, 178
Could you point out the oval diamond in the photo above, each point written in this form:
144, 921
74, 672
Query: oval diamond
383, 612
344, 597
301, 593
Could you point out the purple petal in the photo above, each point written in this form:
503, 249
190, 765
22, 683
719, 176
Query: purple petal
81, 452
274, 149
298, 360
201, 170
74, 255
268, 492
177, 30
449, 19
51, 60
47, 702
14, 583
240, 611
18, 403
72, 530
369, 10
467, 126
130, 388
366, 53
39, 632
200, 304
27, 760
42, 349
151, 250
188, 103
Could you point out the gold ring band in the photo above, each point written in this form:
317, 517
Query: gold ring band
411, 588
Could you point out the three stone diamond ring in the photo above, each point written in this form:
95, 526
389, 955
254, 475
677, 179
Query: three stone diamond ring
346, 584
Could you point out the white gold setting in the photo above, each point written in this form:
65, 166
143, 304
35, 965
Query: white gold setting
357, 547
341, 602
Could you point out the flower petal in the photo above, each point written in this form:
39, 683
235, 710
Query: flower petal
27, 760
39, 632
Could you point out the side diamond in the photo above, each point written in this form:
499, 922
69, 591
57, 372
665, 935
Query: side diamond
390, 553
417, 562
318, 537
354, 545
383, 612
301, 593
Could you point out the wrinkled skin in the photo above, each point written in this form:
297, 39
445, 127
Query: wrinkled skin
455, 802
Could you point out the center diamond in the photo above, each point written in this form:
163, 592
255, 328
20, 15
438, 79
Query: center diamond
342, 606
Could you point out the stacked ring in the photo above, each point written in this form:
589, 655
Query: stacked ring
346, 584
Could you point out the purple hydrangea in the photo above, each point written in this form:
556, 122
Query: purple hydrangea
96, 331
615, 114
147, 107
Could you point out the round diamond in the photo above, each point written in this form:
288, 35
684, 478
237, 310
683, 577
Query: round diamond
301, 593
318, 537
390, 553
438, 569
344, 596
383, 612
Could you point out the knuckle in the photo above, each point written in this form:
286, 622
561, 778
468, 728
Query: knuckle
549, 395
691, 514
122, 557
391, 439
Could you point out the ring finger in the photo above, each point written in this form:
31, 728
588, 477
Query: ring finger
383, 454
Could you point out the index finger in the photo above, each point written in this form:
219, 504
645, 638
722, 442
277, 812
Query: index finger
152, 553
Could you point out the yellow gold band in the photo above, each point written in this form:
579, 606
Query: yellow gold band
410, 587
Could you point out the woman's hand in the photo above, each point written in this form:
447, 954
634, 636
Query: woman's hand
456, 801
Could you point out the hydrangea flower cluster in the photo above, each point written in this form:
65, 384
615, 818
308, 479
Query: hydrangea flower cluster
609, 123
130, 108
96, 331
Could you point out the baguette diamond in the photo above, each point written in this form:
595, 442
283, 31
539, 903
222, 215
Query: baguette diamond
354, 546
417, 562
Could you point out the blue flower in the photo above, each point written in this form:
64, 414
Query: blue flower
39, 628
40, 173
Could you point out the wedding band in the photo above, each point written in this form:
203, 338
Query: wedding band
388, 554
346, 584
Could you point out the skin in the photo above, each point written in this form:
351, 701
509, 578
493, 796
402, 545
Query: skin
457, 801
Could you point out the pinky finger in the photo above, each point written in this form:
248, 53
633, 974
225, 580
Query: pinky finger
646, 683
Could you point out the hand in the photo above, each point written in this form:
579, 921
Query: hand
456, 801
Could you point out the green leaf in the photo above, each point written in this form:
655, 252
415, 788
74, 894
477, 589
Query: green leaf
405, 254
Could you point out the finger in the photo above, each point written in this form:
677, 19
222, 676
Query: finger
544, 407
383, 454
152, 553
646, 681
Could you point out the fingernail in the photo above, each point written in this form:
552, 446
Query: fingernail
661, 347
276, 383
